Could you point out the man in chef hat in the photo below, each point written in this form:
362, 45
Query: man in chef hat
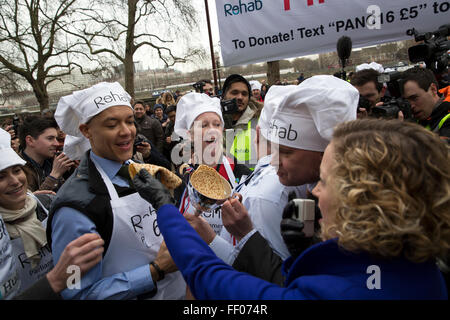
98, 198
301, 128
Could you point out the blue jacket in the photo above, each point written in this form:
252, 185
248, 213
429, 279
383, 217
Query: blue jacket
323, 271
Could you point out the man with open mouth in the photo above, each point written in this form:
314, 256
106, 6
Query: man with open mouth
99, 198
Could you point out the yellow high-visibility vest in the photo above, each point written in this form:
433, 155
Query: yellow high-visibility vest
241, 148
441, 123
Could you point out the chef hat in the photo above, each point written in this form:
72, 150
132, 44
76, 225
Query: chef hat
273, 99
76, 147
9, 157
192, 105
256, 85
373, 65
306, 117
81, 106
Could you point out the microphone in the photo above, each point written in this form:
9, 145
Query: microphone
344, 50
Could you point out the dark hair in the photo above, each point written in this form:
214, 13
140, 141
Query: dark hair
233, 79
34, 126
362, 77
423, 77
171, 108
139, 102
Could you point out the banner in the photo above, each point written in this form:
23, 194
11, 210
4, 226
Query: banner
266, 30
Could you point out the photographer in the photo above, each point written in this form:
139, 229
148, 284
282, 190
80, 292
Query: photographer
148, 126
430, 110
243, 119
204, 86
366, 81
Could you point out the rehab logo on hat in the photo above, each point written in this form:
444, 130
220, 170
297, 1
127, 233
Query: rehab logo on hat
307, 114
81, 106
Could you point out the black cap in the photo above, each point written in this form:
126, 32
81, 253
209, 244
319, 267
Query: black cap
233, 79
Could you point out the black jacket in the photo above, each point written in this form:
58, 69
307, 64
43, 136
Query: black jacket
152, 130
436, 116
258, 259
86, 192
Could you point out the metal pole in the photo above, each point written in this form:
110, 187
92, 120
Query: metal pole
218, 73
211, 46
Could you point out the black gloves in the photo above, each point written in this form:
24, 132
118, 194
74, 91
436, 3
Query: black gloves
292, 229
152, 189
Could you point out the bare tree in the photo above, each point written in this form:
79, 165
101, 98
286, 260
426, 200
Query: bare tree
33, 44
11, 85
121, 27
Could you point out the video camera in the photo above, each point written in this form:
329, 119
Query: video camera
229, 106
364, 103
434, 50
395, 103
198, 86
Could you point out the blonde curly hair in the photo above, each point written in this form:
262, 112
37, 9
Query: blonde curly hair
392, 184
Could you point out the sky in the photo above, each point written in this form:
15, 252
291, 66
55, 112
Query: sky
202, 39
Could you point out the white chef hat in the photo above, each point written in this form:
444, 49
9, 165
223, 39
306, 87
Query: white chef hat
256, 85
272, 100
9, 157
306, 117
192, 105
76, 147
81, 106
373, 65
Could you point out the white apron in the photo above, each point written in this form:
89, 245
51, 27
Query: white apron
9, 276
214, 218
27, 275
135, 240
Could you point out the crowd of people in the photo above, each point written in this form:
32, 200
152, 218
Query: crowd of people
380, 189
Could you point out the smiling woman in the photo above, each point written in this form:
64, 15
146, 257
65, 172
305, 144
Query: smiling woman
24, 217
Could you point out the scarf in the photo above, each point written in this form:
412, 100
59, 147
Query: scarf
24, 223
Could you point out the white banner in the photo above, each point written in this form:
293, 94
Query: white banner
266, 30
